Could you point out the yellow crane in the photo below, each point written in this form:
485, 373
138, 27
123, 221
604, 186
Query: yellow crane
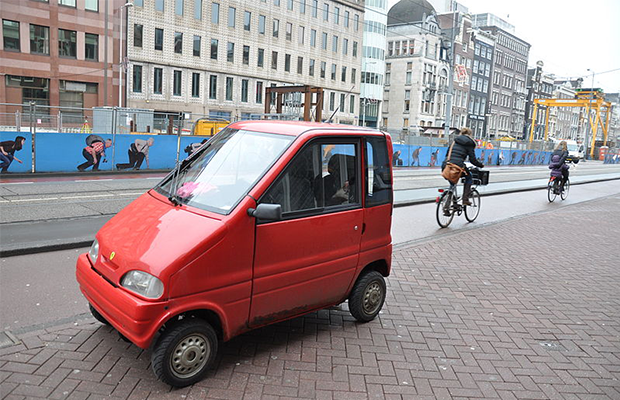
591, 99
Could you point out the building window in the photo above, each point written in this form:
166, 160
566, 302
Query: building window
289, 31
92, 5
408, 78
323, 68
232, 11
247, 18
289, 4
274, 60
39, 39
343, 75
214, 49
230, 52
244, 90
91, 47
311, 68
68, 3
324, 41
315, 8
178, 7
10, 34
259, 92
345, 46
356, 22
215, 13
333, 72
301, 33
159, 39
176, 83
137, 79
229, 88
341, 105
302, 6
246, 55
300, 65
261, 24
332, 101
213, 86
178, 42
313, 37
67, 43
353, 73
352, 105
276, 2
335, 44
158, 80
261, 58
287, 63
276, 27
354, 49
325, 12
198, 9
197, 43
346, 19
337, 15
159, 5
137, 35
195, 84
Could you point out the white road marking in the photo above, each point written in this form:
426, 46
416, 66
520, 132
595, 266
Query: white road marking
92, 180
16, 183
46, 199
88, 196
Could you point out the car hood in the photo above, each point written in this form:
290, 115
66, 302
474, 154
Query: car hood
154, 236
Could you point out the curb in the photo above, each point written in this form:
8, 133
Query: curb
85, 242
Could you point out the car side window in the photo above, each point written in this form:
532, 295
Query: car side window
321, 175
378, 176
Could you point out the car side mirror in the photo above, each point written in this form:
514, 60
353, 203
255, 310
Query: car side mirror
265, 211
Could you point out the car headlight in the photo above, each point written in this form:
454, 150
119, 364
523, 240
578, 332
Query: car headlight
93, 253
143, 284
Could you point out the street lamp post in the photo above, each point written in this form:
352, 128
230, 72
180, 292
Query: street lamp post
121, 68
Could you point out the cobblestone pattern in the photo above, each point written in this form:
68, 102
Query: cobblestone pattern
532, 312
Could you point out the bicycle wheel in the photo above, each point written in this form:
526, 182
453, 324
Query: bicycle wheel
551, 193
445, 202
471, 212
564, 193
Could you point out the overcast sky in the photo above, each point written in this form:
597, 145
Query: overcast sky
569, 36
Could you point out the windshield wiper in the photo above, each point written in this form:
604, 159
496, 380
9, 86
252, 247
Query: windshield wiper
174, 198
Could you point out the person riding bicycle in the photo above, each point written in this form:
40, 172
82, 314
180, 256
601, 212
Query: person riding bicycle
558, 163
464, 147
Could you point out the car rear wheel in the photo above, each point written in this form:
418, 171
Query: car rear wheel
367, 297
184, 352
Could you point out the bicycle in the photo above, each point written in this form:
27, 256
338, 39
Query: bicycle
449, 203
553, 186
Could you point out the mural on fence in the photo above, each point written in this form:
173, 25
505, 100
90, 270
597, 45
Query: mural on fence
15, 152
612, 156
64, 152
427, 156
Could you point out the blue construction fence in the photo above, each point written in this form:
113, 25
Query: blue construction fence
431, 156
62, 152
612, 156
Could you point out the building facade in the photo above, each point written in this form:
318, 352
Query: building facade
564, 121
373, 62
58, 53
215, 58
539, 86
463, 64
482, 73
508, 91
415, 69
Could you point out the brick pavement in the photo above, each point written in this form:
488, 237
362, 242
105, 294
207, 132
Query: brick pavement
532, 313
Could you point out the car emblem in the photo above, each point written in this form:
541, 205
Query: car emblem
112, 255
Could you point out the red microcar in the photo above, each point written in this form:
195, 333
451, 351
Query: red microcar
267, 221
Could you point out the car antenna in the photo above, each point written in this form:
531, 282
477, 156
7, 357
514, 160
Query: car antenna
329, 121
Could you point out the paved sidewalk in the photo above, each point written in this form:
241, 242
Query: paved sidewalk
532, 313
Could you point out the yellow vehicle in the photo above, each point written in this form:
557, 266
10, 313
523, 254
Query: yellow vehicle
206, 127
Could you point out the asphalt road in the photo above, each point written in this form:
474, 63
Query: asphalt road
40, 290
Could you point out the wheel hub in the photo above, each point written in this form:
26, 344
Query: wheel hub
189, 356
372, 297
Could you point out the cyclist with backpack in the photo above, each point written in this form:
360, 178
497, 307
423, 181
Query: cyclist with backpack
461, 149
558, 163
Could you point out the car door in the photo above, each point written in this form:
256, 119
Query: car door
308, 259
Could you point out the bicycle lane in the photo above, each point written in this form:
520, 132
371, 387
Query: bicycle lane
417, 222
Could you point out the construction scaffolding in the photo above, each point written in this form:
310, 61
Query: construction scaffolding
591, 100
290, 100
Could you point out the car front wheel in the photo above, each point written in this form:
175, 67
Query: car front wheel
184, 352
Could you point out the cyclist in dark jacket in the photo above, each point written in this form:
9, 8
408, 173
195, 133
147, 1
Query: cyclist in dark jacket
464, 147
558, 161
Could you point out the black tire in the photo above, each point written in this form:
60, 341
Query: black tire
367, 297
564, 193
444, 201
551, 195
471, 212
184, 352
97, 316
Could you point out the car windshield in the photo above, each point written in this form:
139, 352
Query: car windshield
224, 171
572, 147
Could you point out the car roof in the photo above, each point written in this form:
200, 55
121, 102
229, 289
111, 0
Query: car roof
297, 128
